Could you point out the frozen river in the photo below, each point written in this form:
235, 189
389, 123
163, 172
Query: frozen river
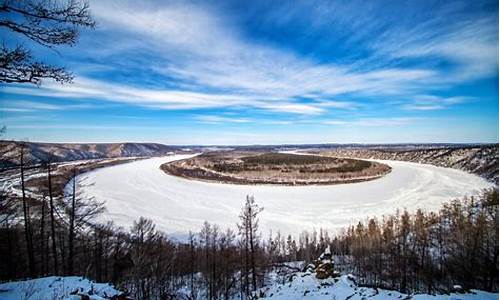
178, 205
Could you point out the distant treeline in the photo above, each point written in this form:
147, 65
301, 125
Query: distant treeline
422, 251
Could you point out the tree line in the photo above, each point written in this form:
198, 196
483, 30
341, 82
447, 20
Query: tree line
53, 234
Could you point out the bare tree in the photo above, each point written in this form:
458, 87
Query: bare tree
47, 23
248, 230
80, 212
43, 244
52, 217
27, 221
192, 263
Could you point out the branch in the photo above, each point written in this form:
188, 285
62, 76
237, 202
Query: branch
17, 66
71, 13
43, 35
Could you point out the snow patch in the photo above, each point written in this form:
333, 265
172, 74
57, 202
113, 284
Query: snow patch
63, 288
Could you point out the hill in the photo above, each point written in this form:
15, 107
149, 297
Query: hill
41, 152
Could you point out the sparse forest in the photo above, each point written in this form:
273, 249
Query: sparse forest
54, 234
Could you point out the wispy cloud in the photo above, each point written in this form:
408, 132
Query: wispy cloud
33, 106
161, 99
215, 66
298, 62
201, 52
220, 119
429, 102
471, 47
373, 122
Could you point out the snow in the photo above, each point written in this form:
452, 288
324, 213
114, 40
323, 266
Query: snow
53, 287
178, 205
306, 285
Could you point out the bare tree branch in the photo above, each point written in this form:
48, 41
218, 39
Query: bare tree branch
18, 66
47, 23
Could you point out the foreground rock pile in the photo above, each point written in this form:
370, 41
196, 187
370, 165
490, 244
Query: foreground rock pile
319, 281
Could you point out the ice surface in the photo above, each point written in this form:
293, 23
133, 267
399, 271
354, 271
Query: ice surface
178, 205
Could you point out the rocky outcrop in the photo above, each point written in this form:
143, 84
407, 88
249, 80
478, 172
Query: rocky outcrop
324, 266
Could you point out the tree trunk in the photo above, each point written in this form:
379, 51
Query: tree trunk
72, 226
247, 259
27, 225
52, 221
252, 252
42, 238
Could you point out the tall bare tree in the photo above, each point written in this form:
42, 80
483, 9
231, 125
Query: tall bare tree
52, 217
27, 219
47, 23
248, 229
80, 211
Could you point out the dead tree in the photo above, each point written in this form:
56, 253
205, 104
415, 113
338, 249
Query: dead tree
248, 229
44, 253
192, 264
46, 23
52, 217
27, 222
71, 234
80, 212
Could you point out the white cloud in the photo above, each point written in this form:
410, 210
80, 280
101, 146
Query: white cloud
470, 47
430, 102
201, 48
159, 99
32, 106
219, 119
373, 122
214, 65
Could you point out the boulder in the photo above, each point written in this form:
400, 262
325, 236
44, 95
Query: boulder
324, 266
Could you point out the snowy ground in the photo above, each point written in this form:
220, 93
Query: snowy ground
302, 285
305, 285
178, 205
63, 288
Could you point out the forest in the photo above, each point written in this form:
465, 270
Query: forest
54, 234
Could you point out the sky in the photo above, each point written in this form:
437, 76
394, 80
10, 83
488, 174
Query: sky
268, 72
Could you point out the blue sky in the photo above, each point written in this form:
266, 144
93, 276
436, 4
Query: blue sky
269, 72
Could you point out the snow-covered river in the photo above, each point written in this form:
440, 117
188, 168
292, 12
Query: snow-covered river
178, 205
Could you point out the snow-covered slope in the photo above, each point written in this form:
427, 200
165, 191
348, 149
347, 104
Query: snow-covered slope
304, 285
481, 160
40, 152
61, 288
178, 205
320, 280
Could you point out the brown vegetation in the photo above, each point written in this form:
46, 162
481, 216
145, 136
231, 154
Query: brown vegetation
275, 168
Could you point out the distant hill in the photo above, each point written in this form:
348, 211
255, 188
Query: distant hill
40, 152
481, 160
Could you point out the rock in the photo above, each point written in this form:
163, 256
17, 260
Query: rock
120, 297
324, 265
310, 268
324, 270
458, 289
351, 277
